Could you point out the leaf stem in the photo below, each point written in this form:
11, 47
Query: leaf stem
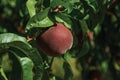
50, 64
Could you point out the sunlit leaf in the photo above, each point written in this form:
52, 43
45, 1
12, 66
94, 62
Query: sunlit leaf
60, 17
10, 37
74, 1
40, 20
6, 63
31, 7
2, 75
27, 66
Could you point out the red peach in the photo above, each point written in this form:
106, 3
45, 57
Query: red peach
56, 40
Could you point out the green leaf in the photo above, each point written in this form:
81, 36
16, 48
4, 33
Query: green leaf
63, 18
74, 1
38, 62
32, 53
68, 72
34, 56
23, 50
84, 27
10, 37
84, 50
17, 72
6, 63
77, 13
27, 66
69, 7
31, 7
20, 48
2, 75
93, 4
97, 29
40, 20
55, 3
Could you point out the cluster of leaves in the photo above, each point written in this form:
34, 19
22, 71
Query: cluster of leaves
18, 58
81, 16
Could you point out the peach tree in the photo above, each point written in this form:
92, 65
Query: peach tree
46, 39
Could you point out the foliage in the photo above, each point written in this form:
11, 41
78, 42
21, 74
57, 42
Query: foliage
93, 23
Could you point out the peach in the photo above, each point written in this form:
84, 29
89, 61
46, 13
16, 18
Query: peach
56, 40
